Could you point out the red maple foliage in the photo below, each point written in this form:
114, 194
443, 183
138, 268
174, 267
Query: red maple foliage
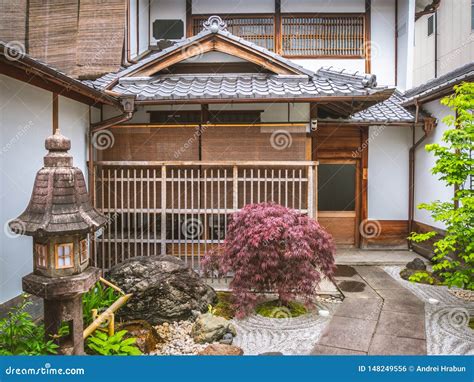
272, 248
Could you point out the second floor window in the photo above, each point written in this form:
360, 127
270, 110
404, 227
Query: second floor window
300, 35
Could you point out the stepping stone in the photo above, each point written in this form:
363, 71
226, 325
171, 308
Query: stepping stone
396, 294
403, 305
348, 333
344, 271
377, 278
321, 349
391, 345
365, 309
402, 324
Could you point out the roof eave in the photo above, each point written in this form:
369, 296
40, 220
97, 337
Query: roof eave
30, 66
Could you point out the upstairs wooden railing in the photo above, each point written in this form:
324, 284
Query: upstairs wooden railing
300, 35
183, 208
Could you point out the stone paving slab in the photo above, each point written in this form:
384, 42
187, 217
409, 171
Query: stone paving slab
402, 324
392, 345
348, 333
364, 309
375, 257
330, 350
378, 316
404, 305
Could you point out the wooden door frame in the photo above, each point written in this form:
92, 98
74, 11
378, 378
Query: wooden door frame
361, 162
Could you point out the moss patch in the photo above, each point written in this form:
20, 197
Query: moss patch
471, 323
224, 307
274, 309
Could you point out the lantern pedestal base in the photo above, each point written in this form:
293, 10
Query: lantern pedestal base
63, 305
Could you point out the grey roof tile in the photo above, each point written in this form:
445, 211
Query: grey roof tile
465, 72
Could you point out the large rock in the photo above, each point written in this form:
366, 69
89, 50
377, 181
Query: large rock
221, 349
164, 289
210, 328
416, 265
147, 336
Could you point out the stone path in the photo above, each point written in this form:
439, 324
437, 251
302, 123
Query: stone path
378, 316
446, 317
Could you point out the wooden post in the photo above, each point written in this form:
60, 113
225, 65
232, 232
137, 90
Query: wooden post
368, 37
163, 210
55, 112
189, 18
364, 176
278, 40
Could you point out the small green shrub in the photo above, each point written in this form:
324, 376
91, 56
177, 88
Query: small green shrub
99, 297
275, 309
19, 335
100, 343
224, 307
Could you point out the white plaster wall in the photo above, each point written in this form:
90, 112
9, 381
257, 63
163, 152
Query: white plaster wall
388, 172
383, 41
25, 122
133, 28
424, 64
455, 41
167, 10
241, 6
427, 186
144, 22
406, 35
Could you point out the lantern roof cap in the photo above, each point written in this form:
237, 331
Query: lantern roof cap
59, 203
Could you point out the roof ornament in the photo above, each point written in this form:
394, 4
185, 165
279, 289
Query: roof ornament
215, 24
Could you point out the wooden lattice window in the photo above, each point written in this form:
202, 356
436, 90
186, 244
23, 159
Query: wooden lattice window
84, 251
323, 36
257, 29
64, 255
41, 254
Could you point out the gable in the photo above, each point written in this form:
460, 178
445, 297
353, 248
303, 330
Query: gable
214, 42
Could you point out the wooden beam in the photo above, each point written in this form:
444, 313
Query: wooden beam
278, 40
55, 112
364, 178
213, 43
189, 18
368, 36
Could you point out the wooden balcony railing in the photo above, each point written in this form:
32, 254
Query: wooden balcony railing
183, 208
300, 35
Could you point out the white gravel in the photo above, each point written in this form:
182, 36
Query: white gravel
291, 336
446, 317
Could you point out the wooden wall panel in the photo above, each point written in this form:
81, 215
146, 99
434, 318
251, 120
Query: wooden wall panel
389, 234
341, 228
142, 144
249, 143
332, 141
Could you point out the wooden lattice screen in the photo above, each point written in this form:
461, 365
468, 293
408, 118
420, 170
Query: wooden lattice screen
257, 29
323, 36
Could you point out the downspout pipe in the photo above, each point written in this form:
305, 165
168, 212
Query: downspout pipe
128, 106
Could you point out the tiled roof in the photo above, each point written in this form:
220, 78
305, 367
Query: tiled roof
232, 86
464, 73
390, 110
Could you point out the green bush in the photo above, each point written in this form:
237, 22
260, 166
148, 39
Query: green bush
19, 335
99, 297
454, 253
101, 343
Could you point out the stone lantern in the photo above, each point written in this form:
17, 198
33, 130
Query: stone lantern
60, 216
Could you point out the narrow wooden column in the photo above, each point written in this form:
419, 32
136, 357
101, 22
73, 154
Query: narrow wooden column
189, 17
278, 42
55, 112
368, 36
